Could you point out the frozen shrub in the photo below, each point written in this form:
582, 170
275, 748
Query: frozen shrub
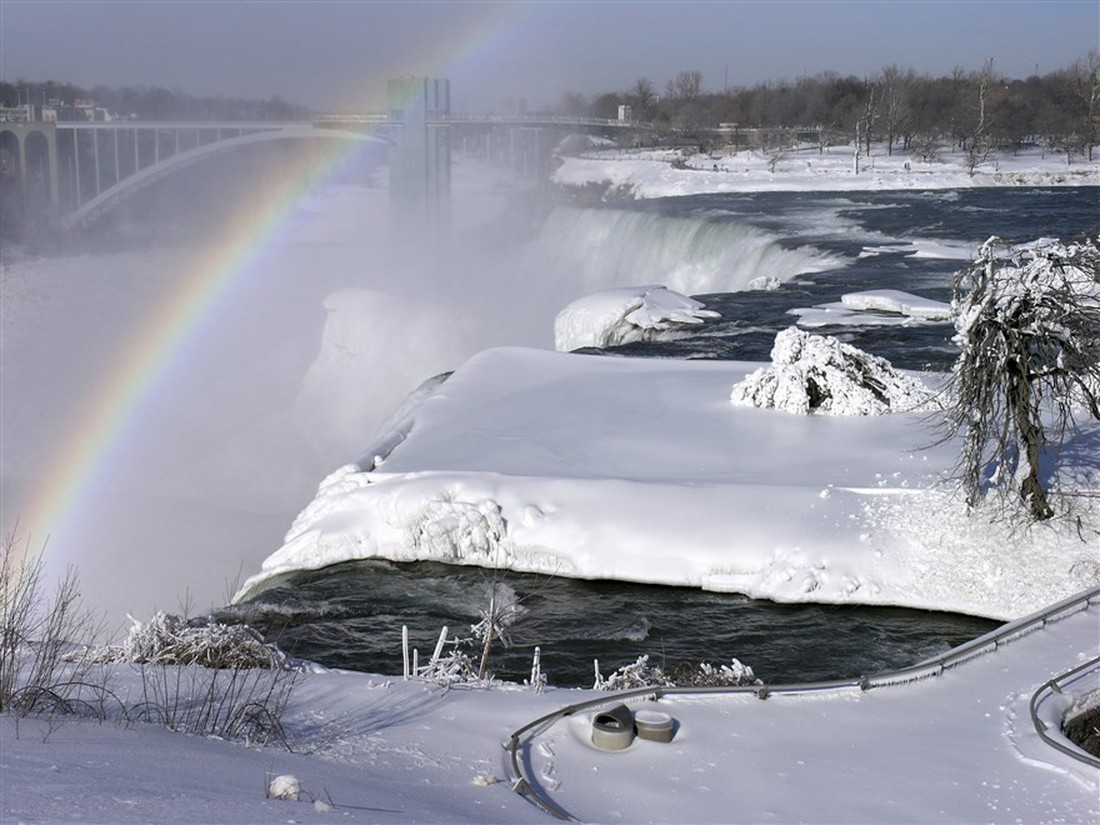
167, 639
642, 674
819, 374
202, 677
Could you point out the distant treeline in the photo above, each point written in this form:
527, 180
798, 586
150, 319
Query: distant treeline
897, 105
907, 110
144, 102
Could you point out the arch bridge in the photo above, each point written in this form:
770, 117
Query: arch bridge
70, 173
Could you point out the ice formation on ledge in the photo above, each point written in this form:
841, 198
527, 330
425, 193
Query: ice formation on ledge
875, 307
622, 316
814, 373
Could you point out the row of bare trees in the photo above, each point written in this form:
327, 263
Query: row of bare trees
897, 106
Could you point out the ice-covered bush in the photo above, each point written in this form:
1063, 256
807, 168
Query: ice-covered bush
167, 639
641, 674
819, 374
203, 677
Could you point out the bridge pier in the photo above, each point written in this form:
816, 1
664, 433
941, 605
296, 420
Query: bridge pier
28, 165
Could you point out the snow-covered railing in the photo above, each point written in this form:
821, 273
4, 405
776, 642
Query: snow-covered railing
932, 667
1055, 687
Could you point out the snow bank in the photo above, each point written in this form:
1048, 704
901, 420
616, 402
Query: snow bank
620, 316
811, 373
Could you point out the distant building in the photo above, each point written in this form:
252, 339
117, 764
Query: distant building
624, 114
17, 114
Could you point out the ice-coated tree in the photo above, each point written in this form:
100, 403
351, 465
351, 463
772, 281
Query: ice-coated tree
1028, 326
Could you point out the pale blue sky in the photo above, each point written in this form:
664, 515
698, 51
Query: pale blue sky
337, 55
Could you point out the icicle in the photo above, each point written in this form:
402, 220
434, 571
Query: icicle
405, 650
439, 647
538, 681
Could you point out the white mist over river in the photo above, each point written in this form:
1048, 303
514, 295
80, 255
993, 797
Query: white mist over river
244, 419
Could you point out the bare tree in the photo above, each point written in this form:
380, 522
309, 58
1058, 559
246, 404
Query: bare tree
895, 84
865, 124
977, 142
1086, 82
1028, 326
643, 97
687, 86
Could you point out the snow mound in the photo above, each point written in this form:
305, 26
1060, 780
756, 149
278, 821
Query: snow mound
813, 373
621, 316
285, 786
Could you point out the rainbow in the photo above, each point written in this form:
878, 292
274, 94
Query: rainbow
149, 356
146, 362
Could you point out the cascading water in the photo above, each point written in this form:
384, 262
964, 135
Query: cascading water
601, 248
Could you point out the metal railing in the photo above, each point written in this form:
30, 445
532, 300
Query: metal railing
1053, 688
931, 667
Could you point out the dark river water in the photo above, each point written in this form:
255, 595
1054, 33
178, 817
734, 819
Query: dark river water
350, 615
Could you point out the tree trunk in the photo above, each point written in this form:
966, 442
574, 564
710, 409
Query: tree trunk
1029, 434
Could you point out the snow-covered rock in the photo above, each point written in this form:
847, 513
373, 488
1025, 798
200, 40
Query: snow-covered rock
285, 786
621, 316
813, 373
898, 302
875, 307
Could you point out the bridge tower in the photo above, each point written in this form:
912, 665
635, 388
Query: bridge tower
420, 167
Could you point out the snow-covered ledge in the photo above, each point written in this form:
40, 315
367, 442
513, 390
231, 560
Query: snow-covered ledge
642, 470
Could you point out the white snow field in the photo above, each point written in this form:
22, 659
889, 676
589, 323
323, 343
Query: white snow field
573, 464
959, 747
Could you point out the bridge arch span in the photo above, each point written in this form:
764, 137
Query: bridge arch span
149, 175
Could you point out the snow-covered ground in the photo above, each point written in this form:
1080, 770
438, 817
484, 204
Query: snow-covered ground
650, 173
602, 467
958, 747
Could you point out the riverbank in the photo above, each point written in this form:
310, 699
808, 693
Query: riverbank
612, 174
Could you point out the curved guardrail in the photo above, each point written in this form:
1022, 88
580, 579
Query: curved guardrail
1054, 688
926, 669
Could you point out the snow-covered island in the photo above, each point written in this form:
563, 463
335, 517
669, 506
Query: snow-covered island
642, 470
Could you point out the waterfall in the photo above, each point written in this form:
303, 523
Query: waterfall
601, 248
